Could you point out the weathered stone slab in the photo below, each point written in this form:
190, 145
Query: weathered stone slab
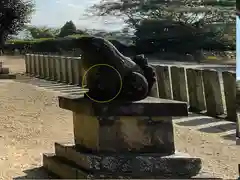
55, 68
7, 76
154, 91
132, 166
149, 106
48, 67
44, 67
65, 69
77, 71
58, 68
213, 94
37, 65
124, 134
179, 84
32, 64
51, 67
229, 84
164, 85
195, 90
61, 169
4, 70
238, 126
41, 65
135, 163
27, 63
70, 70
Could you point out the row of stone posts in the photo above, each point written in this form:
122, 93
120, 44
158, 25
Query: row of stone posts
55, 68
200, 88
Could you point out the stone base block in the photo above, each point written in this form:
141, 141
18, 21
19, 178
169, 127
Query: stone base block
64, 169
4, 70
7, 76
86, 165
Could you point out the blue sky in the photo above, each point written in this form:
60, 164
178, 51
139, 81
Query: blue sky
55, 13
238, 48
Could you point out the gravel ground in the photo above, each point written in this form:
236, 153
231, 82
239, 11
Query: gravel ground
31, 121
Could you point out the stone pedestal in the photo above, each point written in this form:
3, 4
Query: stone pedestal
121, 140
4, 73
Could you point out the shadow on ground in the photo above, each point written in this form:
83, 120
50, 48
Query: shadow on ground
49, 85
36, 173
209, 125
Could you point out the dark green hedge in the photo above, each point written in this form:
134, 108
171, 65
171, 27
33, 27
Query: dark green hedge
52, 45
63, 45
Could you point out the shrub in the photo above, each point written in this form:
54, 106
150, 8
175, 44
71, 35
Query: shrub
54, 45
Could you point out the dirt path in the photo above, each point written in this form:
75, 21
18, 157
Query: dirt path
30, 122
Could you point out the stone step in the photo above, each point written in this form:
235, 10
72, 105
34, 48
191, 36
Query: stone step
4, 70
136, 163
7, 76
67, 170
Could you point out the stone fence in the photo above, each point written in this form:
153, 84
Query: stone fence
204, 90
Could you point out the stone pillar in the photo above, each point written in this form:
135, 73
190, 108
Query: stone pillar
1, 66
27, 63
179, 84
41, 65
44, 67
51, 67
48, 67
37, 64
121, 140
164, 84
154, 92
77, 71
195, 90
64, 69
32, 64
55, 68
58, 68
229, 84
213, 94
70, 70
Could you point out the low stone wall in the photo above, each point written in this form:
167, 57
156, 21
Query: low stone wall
200, 88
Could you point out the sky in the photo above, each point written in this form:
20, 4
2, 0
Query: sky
238, 48
55, 13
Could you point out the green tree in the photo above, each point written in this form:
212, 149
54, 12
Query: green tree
14, 14
42, 32
171, 22
238, 7
68, 28
186, 11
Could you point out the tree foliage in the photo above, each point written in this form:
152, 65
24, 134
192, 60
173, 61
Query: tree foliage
186, 11
14, 14
42, 32
238, 7
165, 23
68, 28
